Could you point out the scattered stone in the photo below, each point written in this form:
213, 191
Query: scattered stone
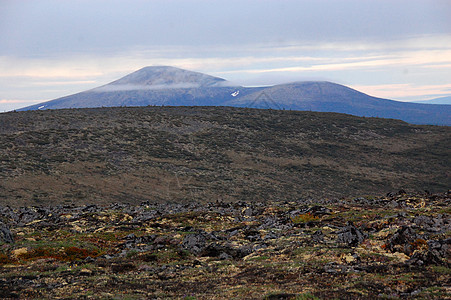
435, 253
436, 224
176, 250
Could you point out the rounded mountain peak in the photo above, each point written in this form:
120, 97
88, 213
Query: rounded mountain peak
168, 76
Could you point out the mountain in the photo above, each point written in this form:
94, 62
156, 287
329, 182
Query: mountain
161, 85
441, 100
170, 86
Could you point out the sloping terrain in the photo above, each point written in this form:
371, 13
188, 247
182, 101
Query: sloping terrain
171, 86
186, 154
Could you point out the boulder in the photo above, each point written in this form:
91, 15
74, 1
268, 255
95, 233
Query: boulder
437, 252
5, 234
194, 243
350, 235
405, 240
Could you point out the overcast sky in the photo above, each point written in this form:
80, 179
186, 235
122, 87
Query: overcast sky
387, 48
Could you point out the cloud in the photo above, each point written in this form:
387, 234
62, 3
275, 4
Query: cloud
412, 58
439, 66
11, 104
400, 91
66, 82
228, 59
14, 101
425, 58
131, 87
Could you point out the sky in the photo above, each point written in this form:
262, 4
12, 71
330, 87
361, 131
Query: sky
395, 49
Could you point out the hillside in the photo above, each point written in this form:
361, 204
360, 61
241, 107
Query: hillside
186, 154
169, 86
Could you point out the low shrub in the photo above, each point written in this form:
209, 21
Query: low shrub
304, 218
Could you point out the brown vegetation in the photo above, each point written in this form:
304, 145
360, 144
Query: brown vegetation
184, 154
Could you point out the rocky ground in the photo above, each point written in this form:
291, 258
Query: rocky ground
397, 246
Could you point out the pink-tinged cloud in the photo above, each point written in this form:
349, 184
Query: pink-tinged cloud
399, 91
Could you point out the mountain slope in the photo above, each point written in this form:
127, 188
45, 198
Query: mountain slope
171, 86
332, 97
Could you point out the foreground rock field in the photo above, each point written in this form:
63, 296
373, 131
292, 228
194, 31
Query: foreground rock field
396, 246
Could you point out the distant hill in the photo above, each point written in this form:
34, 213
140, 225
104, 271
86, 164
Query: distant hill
332, 97
185, 154
171, 86
441, 100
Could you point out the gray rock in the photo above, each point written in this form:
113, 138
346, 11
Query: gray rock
437, 253
318, 237
402, 240
194, 243
350, 235
5, 234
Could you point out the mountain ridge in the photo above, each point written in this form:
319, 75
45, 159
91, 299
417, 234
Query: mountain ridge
170, 86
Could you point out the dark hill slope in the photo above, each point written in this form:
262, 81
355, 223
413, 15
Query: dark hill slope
177, 87
207, 153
